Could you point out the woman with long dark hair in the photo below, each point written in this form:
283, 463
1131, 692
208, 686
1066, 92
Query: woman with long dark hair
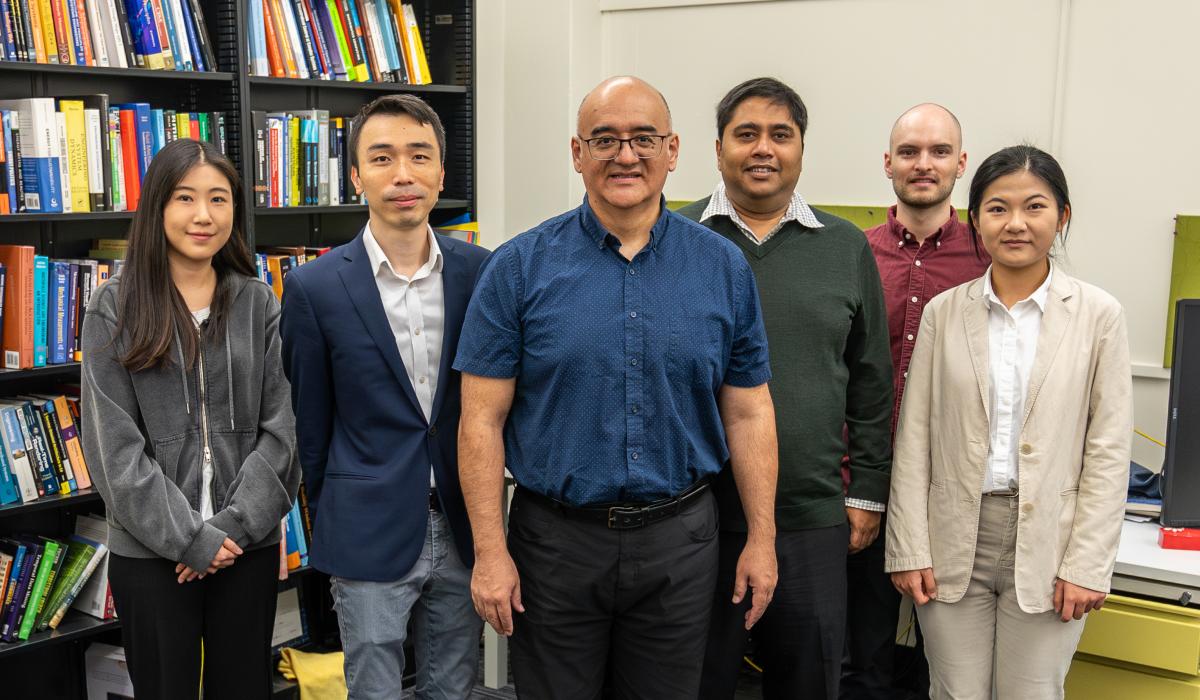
1012, 453
190, 435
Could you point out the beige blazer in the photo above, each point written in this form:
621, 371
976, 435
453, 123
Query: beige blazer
1073, 467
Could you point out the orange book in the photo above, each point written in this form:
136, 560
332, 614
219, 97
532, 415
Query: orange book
62, 32
17, 338
276, 270
402, 36
273, 58
129, 151
35, 23
70, 438
85, 30
284, 40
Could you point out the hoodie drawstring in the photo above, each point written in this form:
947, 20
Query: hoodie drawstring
229, 374
187, 400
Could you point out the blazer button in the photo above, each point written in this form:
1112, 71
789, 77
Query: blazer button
1027, 508
1026, 448
433, 431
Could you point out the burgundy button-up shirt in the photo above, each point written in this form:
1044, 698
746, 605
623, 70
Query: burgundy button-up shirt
913, 274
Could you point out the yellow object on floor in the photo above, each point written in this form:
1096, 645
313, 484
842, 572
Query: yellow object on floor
319, 676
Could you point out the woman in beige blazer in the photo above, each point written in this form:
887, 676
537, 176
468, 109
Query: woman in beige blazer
1012, 452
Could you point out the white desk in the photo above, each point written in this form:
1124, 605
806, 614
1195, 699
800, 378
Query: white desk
1144, 568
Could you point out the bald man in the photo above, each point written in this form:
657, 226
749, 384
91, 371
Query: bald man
921, 251
613, 359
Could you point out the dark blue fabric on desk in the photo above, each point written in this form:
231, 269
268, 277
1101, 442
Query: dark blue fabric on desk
618, 363
1143, 483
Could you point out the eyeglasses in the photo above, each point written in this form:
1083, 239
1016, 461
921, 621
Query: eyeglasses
609, 147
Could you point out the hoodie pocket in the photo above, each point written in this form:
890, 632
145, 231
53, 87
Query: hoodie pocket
166, 453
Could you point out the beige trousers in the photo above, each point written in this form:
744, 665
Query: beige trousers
985, 642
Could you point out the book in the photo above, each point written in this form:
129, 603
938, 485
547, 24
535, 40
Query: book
93, 599
76, 155
50, 558
41, 296
20, 598
98, 555
39, 144
59, 274
18, 460
19, 552
77, 552
17, 335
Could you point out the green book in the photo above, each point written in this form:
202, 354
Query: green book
79, 552
39, 587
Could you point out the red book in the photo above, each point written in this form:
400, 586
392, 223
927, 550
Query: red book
164, 39
17, 337
85, 30
274, 60
129, 149
62, 31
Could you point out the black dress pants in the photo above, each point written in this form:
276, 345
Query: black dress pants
163, 623
873, 610
799, 640
626, 607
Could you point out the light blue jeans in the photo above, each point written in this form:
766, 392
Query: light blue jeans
373, 618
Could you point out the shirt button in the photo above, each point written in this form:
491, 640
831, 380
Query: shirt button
906, 374
914, 300
632, 314
901, 243
632, 271
917, 263
634, 456
634, 410
421, 380
908, 235
417, 332
633, 362
910, 336
1026, 449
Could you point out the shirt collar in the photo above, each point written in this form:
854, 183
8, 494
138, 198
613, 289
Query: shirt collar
379, 260
1039, 296
798, 210
596, 231
899, 231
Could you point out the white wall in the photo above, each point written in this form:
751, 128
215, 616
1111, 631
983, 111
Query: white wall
1107, 86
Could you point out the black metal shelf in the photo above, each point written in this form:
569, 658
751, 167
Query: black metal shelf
347, 208
8, 375
354, 85
212, 76
75, 625
80, 497
74, 216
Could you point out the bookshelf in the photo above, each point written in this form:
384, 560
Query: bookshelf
50, 664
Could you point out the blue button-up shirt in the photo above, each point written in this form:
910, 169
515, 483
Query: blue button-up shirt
618, 363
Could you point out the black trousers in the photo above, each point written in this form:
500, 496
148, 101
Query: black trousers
799, 640
873, 610
626, 607
163, 623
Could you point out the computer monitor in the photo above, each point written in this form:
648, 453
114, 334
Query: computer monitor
1181, 490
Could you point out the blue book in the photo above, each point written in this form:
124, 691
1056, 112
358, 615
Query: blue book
76, 35
158, 131
325, 20
189, 24
14, 577
72, 309
172, 37
145, 137
384, 20
144, 31
33, 425
40, 145
297, 526
8, 482
10, 45
12, 620
289, 535
41, 306
59, 274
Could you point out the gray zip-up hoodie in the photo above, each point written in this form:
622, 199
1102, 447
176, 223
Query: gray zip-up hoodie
144, 433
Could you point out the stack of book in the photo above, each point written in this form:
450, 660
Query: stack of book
297, 533
301, 159
81, 154
354, 40
155, 34
274, 263
40, 452
42, 302
40, 579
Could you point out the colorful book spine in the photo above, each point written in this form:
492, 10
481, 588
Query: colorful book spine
58, 312
41, 295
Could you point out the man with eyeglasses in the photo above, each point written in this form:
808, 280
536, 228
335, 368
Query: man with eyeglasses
613, 359
827, 324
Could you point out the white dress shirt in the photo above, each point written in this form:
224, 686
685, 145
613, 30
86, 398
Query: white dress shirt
416, 311
798, 210
1012, 347
206, 466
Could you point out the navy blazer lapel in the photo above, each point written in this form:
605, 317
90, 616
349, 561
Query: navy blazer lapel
456, 292
359, 280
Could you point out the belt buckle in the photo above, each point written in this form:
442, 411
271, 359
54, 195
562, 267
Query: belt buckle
620, 510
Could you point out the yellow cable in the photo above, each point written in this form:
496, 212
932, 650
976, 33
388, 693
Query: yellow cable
751, 664
1156, 442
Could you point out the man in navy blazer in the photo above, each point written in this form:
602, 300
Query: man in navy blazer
369, 332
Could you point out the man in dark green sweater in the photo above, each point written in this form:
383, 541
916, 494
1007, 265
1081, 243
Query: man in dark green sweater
823, 307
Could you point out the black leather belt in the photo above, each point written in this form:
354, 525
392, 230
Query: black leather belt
434, 503
622, 516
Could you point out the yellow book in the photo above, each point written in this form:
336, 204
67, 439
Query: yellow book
76, 155
183, 125
46, 14
295, 160
276, 271
420, 74
39, 42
